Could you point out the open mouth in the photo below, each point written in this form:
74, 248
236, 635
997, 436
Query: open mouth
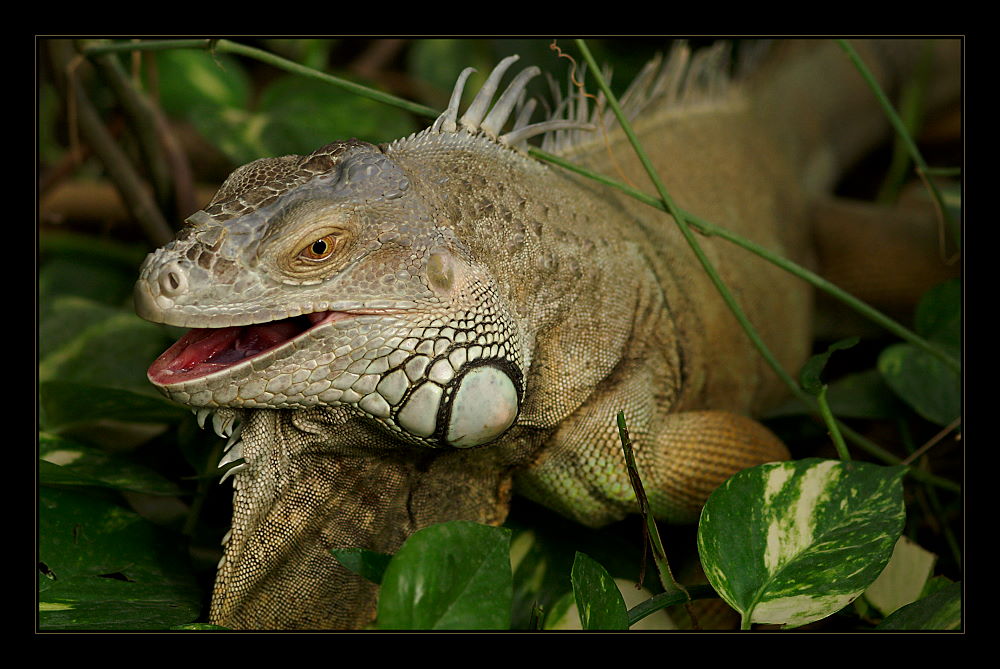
204, 351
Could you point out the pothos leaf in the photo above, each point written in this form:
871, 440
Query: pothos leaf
454, 575
598, 599
793, 542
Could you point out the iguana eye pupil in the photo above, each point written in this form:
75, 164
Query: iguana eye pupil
321, 249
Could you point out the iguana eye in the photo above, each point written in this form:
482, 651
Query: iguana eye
313, 254
321, 249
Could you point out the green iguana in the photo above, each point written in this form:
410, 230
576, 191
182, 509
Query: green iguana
399, 335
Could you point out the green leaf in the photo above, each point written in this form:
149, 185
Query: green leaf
303, 114
212, 91
369, 564
438, 62
793, 542
64, 318
83, 277
935, 583
861, 395
454, 575
296, 115
234, 131
598, 599
809, 377
543, 549
192, 80
63, 404
930, 387
941, 610
927, 384
939, 314
102, 567
67, 463
113, 351
125, 258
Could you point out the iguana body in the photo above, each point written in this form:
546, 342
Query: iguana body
474, 319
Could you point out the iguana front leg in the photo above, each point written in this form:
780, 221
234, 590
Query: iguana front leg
659, 375
323, 479
681, 457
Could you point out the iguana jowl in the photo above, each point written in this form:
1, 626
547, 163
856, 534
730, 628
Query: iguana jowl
393, 336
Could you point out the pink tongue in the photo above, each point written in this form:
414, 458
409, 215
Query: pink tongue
205, 350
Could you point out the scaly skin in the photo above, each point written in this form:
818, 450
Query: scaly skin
467, 321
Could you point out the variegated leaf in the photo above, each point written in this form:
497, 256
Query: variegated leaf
793, 542
598, 600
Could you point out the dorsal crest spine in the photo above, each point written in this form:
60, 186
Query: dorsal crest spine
682, 78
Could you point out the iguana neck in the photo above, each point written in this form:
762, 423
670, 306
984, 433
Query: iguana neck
317, 497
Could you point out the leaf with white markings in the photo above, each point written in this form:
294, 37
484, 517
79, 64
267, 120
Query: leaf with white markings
598, 599
793, 542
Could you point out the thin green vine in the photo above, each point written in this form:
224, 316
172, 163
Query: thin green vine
235, 48
652, 533
902, 133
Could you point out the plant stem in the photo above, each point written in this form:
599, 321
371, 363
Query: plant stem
904, 136
667, 580
831, 426
665, 600
227, 46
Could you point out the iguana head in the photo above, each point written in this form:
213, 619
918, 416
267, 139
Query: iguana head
328, 279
